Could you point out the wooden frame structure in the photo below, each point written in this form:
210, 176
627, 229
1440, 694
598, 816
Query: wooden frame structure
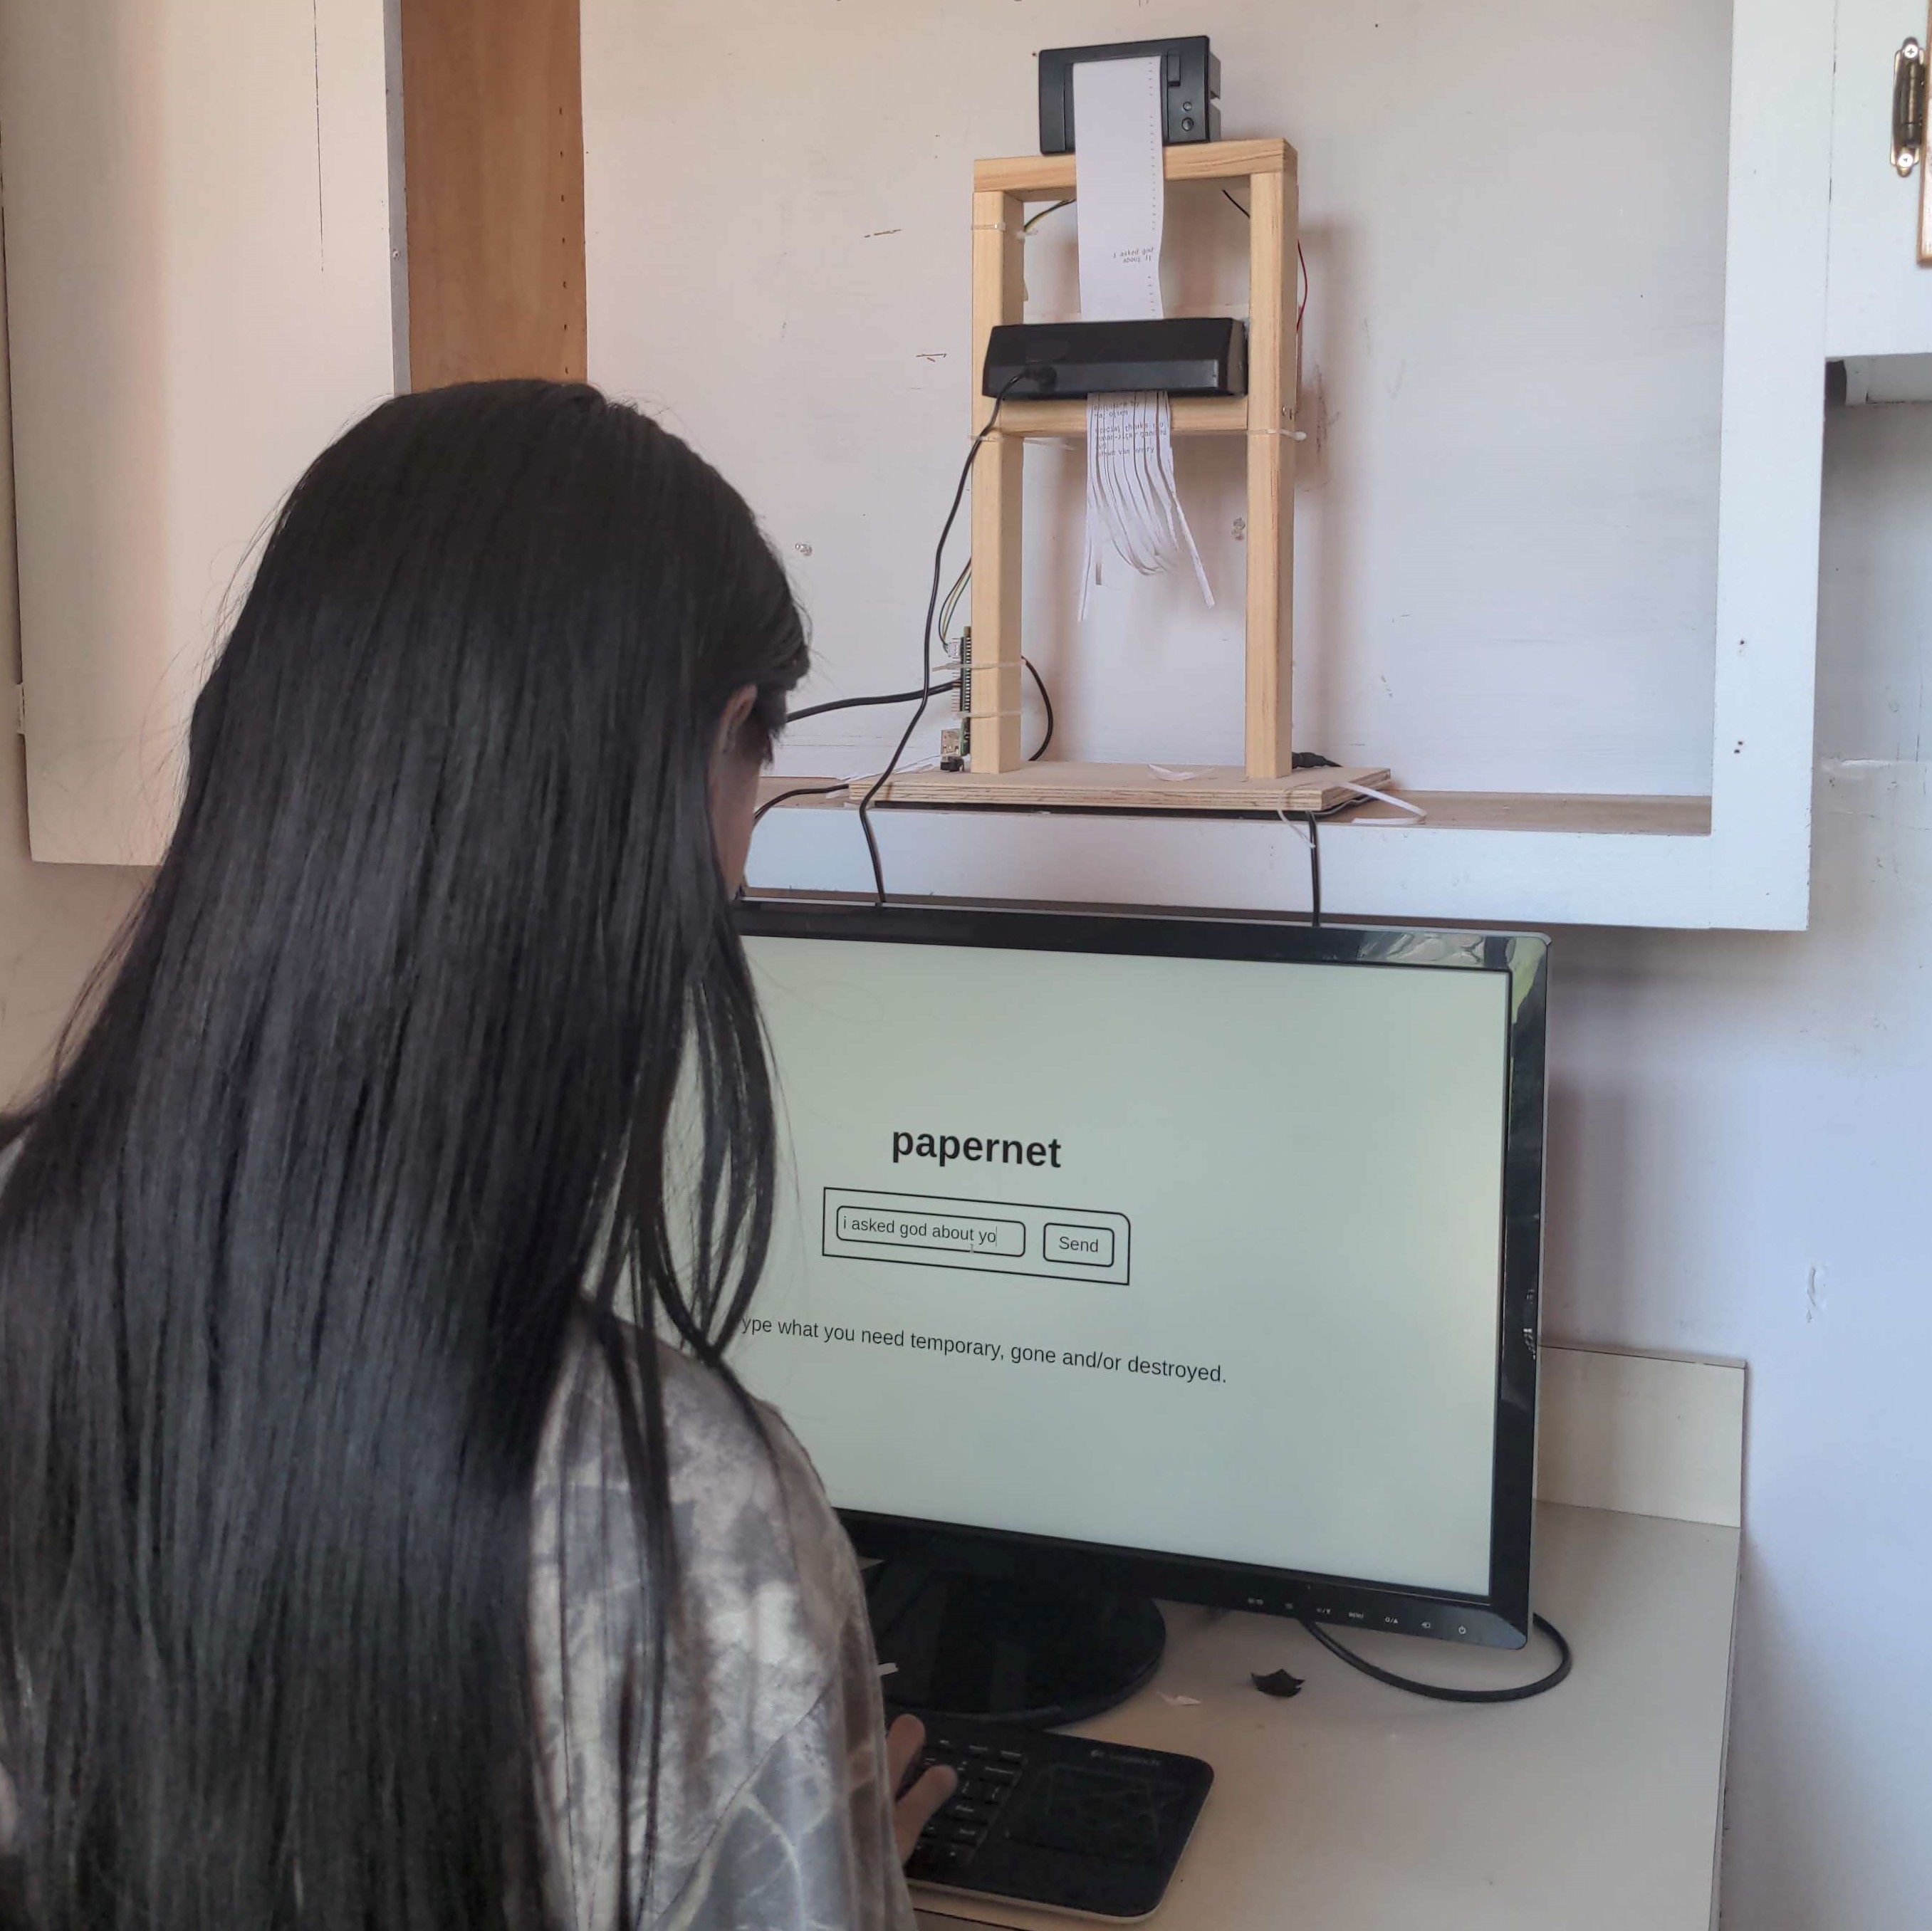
1000, 190
1264, 416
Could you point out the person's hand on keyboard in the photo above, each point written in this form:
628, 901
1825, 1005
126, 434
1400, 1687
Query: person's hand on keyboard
912, 1807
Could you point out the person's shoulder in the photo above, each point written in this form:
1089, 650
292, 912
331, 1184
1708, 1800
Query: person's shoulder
745, 1493
750, 1519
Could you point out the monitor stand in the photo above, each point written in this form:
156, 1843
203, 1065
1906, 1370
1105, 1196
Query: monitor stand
1017, 1653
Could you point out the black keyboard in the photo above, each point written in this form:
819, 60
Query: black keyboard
1057, 1821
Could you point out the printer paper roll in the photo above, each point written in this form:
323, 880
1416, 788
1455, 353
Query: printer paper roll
1132, 505
1122, 203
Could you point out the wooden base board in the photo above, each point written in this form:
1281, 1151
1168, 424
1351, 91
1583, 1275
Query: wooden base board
1130, 787
1597, 814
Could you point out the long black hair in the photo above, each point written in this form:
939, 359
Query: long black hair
366, 1128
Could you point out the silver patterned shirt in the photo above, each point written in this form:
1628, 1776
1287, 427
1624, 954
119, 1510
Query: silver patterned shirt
773, 1808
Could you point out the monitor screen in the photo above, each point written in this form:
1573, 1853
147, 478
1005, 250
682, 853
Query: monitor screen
1194, 1255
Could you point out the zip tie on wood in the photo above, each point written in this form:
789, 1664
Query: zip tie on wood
974, 717
1293, 435
989, 227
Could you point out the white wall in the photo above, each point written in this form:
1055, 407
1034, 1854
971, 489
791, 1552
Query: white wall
1741, 1164
1514, 214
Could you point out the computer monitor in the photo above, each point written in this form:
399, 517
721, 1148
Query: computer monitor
1122, 1255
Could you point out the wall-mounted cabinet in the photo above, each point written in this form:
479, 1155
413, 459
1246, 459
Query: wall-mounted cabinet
210, 278
1879, 293
1557, 520
1562, 376
198, 259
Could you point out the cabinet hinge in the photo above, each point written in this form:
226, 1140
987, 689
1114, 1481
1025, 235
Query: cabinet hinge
1908, 106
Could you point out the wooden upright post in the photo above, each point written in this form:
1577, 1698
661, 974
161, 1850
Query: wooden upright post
998, 296
493, 144
1272, 226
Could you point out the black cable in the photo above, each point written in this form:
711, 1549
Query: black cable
1039, 683
1314, 871
926, 640
1441, 1693
799, 791
1301, 262
852, 703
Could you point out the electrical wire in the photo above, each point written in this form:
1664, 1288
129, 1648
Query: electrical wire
950, 608
1027, 225
1314, 871
1301, 259
1442, 1692
925, 641
856, 703
947, 612
799, 791
1040, 684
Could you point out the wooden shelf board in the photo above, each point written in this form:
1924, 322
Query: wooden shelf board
1193, 415
1589, 814
1037, 176
1130, 787
1594, 812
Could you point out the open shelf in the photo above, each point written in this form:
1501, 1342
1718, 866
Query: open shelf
1487, 859
1579, 813
1646, 492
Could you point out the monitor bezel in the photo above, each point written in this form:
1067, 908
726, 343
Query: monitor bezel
1499, 1616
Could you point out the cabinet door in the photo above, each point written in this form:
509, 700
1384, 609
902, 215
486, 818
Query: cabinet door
1880, 299
199, 268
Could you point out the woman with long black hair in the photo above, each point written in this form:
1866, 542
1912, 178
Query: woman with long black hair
361, 1569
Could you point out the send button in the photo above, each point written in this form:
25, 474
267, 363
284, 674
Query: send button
1084, 1247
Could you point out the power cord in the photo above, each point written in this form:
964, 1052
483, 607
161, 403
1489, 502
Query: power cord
799, 791
926, 640
947, 611
1038, 751
853, 703
1309, 760
1442, 1692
